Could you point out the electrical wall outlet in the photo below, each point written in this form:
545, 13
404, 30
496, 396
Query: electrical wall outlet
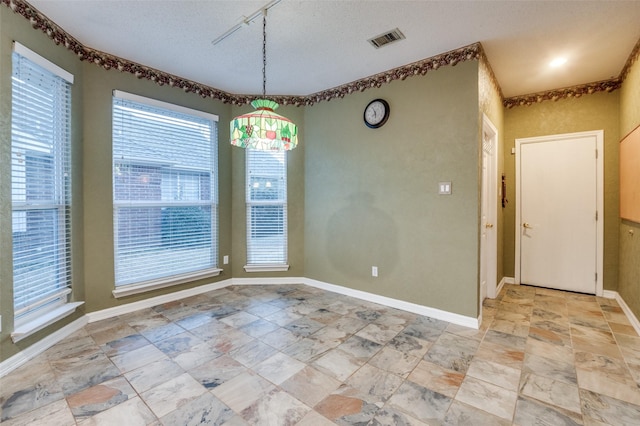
374, 271
225, 260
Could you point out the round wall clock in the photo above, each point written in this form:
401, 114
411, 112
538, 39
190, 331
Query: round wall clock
376, 113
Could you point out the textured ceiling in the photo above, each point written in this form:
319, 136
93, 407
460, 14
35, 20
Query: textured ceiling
319, 44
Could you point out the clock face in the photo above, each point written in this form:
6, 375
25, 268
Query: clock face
376, 113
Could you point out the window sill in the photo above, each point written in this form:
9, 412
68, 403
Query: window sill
27, 329
266, 268
143, 287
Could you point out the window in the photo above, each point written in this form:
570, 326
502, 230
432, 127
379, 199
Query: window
266, 209
40, 185
164, 191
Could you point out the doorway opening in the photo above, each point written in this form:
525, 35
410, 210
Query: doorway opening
488, 215
559, 212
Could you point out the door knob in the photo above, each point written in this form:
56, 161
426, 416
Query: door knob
527, 226
489, 225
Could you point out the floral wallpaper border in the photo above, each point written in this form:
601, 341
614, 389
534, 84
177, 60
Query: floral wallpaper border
566, 93
472, 52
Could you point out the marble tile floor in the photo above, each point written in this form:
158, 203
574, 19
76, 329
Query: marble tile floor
296, 355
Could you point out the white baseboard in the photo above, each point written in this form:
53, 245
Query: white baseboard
503, 281
398, 304
40, 346
370, 297
610, 294
269, 280
155, 301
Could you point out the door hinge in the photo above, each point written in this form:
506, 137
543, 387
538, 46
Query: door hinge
596, 215
596, 153
596, 277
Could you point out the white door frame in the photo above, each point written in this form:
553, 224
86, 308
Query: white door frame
599, 135
490, 249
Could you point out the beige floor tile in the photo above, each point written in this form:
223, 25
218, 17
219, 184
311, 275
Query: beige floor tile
137, 358
133, 412
275, 408
373, 385
595, 340
278, 368
313, 418
242, 391
606, 376
394, 361
488, 397
550, 391
437, 378
172, 394
338, 364
548, 350
118, 331
517, 328
623, 328
56, 413
420, 403
153, 374
501, 354
310, 385
497, 374
572, 358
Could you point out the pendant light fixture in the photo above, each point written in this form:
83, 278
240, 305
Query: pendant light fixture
264, 129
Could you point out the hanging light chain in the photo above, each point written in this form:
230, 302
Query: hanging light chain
264, 53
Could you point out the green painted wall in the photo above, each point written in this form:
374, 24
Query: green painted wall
371, 195
593, 112
629, 270
295, 201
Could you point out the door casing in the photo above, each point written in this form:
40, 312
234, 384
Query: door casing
489, 235
599, 136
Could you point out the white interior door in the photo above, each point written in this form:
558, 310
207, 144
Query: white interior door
559, 200
488, 231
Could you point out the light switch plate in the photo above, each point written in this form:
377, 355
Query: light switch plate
444, 188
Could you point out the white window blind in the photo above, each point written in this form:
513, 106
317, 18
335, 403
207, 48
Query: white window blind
40, 183
266, 207
164, 189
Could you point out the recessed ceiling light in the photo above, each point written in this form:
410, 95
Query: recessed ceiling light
557, 62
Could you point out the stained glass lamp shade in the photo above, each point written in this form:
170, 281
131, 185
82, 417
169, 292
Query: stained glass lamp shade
264, 129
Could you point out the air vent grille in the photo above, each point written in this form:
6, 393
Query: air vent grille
386, 38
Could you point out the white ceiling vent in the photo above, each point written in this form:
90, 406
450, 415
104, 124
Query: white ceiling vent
386, 38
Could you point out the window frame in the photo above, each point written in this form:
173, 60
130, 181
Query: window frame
253, 263
127, 288
49, 179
